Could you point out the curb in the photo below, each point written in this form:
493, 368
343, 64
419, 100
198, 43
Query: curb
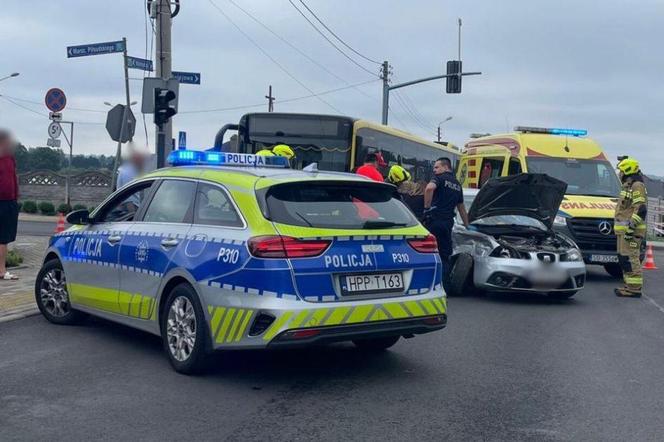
19, 313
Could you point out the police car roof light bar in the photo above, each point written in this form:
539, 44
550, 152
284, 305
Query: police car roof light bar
552, 131
207, 158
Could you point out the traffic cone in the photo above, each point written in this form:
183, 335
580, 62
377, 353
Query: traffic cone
60, 226
650, 259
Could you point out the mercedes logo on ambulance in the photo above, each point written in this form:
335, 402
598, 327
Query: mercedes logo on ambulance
605, 228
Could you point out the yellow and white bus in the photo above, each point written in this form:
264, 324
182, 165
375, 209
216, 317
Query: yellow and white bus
336, 143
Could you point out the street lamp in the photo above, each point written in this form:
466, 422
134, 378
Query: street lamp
130, 104
15, 74
440, 124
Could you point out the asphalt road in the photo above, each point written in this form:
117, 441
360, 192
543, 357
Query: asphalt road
506, 368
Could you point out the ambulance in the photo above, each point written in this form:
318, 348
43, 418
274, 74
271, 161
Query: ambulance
586, 213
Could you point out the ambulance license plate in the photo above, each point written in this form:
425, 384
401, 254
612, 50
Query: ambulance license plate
372, 283
603, 259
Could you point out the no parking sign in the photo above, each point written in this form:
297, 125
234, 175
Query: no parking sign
55, 99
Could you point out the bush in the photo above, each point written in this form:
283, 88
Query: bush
13, 258
64, 208
20, 204
29, 207
91, 208
46, 208
79, 207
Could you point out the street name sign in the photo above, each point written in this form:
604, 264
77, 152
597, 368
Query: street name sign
139, 63
55, 99
108, 47
187, 77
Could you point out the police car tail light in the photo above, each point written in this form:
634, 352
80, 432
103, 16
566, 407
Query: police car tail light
286, 247
424, 245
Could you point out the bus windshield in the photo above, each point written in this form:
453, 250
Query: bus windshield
583, 177
321, 139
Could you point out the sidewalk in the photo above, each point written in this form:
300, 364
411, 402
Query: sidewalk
17, 297
39, 218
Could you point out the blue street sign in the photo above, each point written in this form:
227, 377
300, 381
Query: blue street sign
187, 77
139, 63
182, 140
95, 49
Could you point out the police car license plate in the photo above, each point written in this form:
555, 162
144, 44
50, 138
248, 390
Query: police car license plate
604, 259
372, 283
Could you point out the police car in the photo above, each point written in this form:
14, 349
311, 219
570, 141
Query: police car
236, 251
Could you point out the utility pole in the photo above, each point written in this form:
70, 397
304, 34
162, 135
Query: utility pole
161, 12
385, 76
270, 100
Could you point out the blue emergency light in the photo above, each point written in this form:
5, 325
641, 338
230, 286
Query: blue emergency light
552, 131
206, 158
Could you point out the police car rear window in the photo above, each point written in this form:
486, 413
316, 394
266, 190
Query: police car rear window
337, 206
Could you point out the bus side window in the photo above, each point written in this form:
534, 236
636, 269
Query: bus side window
491, 168
514, 167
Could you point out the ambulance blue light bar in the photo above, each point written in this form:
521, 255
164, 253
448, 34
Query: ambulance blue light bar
204, 158
552, 131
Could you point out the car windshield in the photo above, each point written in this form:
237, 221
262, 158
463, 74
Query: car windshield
336, 205
583, 177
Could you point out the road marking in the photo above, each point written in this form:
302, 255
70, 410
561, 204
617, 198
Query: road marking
652, 301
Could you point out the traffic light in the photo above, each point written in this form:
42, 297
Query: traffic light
454, 80
163, 110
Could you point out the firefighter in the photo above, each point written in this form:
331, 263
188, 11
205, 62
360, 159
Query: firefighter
630, 226
412, 194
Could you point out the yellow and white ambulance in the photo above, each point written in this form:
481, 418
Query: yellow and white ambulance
586, 213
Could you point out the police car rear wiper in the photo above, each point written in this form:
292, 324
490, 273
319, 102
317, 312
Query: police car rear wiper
372, 224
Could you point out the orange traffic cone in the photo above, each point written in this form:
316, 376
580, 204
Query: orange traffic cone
650, 259
60, 226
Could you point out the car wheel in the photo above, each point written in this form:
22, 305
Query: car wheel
376, 344
52, 297
614, 270
184, 330
461, 276
562, 295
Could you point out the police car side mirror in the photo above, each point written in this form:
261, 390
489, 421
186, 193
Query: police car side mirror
79, 217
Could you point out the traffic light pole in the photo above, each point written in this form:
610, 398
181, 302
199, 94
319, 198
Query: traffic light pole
163, 23
387, 88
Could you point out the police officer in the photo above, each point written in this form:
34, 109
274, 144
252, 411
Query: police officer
442, 196
630, 226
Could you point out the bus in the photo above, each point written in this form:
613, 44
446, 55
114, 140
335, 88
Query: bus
335, 143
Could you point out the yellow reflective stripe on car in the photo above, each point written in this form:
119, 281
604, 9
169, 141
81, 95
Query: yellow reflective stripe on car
216, 319
111, 300
225, 324
353, 315
243, 327
236, 324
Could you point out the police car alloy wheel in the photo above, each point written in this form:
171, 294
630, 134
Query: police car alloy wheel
184, 331
52, 297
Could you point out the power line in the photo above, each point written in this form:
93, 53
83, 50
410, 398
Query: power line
336, 36
41, 103
330, 41
295, 48
272, 59
41, 114
287, 100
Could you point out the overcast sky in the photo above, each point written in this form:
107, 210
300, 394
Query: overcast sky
560, 63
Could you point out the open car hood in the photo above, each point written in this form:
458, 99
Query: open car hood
528, 194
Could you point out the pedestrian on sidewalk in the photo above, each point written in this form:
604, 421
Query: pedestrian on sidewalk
8, 200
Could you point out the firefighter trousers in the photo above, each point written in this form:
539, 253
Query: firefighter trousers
629, 255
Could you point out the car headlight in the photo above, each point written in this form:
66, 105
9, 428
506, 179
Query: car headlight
573, 255
560, 220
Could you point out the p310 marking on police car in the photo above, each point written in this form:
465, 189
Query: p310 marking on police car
228, 256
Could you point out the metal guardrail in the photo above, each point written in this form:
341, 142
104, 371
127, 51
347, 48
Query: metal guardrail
655, 217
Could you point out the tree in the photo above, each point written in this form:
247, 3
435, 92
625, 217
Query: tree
22, 156
45, 158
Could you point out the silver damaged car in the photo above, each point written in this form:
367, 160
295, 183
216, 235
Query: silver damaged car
510, 245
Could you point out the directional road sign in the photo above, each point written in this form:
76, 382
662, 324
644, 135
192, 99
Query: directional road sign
95, 49
187, 77
55, 99
114, 124
139, 63
54, 130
